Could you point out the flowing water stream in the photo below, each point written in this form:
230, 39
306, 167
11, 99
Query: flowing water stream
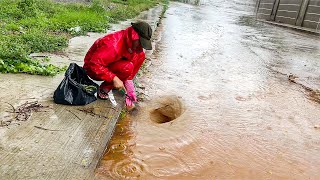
219, 102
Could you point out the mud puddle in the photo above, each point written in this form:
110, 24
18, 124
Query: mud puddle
125, 160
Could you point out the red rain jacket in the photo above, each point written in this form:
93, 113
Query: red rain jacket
111, 48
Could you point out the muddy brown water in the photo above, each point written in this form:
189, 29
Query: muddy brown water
220, 105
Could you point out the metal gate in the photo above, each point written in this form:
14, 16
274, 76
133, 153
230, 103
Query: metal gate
312, 17
264, 9
288, 11
305, 13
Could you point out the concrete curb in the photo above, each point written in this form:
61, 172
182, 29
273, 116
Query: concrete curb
297, 28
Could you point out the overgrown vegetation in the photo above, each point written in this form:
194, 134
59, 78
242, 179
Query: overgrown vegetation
165, 7
30, 26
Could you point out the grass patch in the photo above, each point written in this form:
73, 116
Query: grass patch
123, 114
165, 7
28, 26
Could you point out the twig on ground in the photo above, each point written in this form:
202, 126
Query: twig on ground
74, 114
14, 110
23, 112
90, 112
47, 129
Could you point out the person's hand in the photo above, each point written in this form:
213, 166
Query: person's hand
117, 83
129, 85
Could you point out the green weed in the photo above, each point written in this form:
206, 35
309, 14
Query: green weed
28, 26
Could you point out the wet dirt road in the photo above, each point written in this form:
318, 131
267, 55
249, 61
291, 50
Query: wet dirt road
221, 80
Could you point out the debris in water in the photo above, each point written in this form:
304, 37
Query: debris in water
292, 77
315, 95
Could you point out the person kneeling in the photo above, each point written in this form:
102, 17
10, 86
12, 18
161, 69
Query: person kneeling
116, 58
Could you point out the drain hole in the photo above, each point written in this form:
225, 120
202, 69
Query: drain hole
167, 109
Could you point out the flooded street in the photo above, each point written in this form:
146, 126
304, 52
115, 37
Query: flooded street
228, 97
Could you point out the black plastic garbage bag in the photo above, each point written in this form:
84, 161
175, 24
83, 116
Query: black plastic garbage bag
76, 88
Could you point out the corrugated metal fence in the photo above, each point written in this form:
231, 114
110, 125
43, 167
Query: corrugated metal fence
304, 13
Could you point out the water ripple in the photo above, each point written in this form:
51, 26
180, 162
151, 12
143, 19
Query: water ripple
128, 169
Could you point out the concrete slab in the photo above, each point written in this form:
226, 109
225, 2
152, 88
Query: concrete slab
51, 141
